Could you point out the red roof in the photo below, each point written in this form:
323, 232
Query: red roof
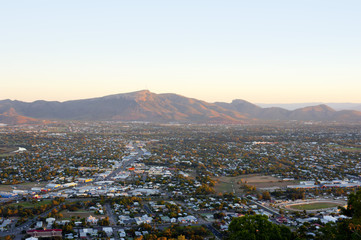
46, 230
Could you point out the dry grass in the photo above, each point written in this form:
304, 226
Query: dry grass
80, 214
7, 151
233, 184
23, 186
6, 188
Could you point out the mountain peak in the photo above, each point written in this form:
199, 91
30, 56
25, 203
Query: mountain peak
141, 96
144, 105
137, 95
240, 101
11, 113
318, 108
13, 118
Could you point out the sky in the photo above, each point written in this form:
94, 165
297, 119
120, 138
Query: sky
261, 51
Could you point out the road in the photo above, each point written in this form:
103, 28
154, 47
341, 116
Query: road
147, 209
126, 163
215, 231
27, 224
274, 212
112, 218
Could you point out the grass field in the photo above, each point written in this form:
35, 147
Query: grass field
351, 149
223, 187
314, 206
346, 148
233, 184
30, 204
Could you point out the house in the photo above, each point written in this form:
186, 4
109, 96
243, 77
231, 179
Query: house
4, 224
39, 224
165, 219
143, 219
122, 233
224, 227
92, 220
108, 231
62, 222
50, 222
188, 219
88, 231
69, 236
45, 233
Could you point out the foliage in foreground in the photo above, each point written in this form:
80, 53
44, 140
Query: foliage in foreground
254, 227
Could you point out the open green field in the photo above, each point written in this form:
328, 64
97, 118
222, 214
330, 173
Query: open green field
314, 206
351, 149
224, 187
347, 148
31, 204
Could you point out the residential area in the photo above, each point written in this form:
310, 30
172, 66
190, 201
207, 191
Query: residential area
76, 180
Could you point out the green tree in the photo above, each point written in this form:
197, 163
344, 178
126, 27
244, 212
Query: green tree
254, 227
346, 228
266, 195
353, 208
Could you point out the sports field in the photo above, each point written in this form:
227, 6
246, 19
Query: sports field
314, 206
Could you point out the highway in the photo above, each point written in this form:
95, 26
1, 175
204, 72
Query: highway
126, 163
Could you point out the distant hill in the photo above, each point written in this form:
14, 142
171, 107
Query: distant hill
294, 106
151, 107
12, 118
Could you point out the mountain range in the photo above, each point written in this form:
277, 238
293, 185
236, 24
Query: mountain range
294, 106
164, 108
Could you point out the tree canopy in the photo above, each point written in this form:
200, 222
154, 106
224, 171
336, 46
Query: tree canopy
257, 227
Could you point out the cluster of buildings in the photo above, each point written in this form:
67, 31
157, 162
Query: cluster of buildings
327, 184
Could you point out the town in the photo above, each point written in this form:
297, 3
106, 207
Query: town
134, 180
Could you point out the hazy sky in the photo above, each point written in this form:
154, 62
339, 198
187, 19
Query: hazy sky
260, 51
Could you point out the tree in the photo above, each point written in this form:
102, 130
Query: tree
346, 228
104, 221
254, 227
266, 195
353, 208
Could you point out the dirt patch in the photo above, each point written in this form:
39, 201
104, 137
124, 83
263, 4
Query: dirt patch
7, 150
23, 186
80, 214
